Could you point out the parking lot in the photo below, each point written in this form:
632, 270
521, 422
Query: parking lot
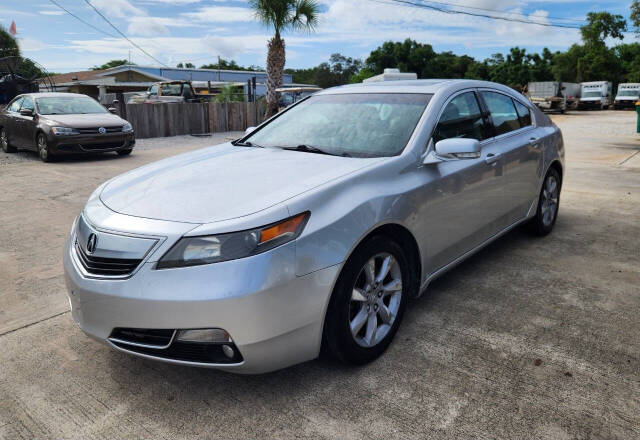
530, 338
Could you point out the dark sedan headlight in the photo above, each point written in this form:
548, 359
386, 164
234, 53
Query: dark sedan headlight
194, 251
64, 131
127, 128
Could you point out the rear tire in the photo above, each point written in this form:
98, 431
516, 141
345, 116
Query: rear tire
548, 205
368, 302
43, 149
125, 152
4, 142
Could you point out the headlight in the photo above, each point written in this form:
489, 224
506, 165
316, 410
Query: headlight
64, 131
193, 251
127, 128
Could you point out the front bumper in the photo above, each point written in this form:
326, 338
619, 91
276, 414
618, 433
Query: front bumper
625, 103
95, 143
274, 317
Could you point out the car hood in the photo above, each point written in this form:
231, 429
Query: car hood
222, 182
85, 121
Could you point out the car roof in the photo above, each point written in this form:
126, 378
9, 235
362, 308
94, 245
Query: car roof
52, 94
430, 86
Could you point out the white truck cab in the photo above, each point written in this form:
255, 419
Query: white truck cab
595, 95
628, 95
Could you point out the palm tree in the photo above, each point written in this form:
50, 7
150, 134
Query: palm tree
297, 15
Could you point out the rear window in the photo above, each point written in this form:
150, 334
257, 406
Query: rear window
503, 113
524, 113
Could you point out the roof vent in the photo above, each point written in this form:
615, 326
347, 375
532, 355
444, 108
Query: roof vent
392, 75
389, 70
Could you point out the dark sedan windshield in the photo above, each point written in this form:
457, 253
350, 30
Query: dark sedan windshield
68, 105
360, 125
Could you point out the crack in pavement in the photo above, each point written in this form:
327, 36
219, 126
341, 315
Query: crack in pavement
34, 323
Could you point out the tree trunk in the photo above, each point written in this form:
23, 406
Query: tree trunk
275, 68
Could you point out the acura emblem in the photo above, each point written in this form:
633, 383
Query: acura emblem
92, 242
102, 130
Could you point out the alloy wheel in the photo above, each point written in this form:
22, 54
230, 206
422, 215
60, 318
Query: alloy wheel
4, 140
375, 300
43, 150
550, 193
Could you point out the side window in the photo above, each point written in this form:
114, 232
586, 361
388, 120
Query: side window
27, 103
503, 112
15, 105
153, 90
524, 113
461, 118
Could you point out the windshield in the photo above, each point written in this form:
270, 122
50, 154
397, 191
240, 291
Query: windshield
361, 125
596, 94
629, 92
68, 105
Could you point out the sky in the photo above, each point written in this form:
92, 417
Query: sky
198, 31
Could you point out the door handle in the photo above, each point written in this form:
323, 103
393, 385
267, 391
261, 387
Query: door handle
492, 158
534, 142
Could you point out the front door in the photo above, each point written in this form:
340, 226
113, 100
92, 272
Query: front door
461, 194
26, 125
11, 115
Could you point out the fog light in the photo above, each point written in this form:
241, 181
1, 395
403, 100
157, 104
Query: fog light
228, 351
211, 335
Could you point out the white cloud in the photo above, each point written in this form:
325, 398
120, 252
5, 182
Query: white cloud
220, 14
51, 12
117, 8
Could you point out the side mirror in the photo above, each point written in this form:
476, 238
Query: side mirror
26, 112
113, 110
453, 149
249, 130
115, 102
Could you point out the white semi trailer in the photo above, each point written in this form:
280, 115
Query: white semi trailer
628, 95
595, 95
553, 95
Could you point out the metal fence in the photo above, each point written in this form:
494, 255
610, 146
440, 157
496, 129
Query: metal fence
173, 119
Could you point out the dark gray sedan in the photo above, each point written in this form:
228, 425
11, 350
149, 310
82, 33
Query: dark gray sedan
56, 124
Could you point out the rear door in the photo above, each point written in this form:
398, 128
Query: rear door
519, 145
461, 194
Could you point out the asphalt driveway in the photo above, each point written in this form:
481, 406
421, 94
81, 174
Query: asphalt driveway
531, 338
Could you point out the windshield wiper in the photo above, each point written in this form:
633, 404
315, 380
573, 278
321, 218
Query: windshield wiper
311, 149
237, 143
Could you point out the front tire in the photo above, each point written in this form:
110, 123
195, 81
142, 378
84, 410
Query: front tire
43, 148
368, 302
4, 142
548, 204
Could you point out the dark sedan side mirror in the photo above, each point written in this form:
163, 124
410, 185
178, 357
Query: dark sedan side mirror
113, 110
26, 112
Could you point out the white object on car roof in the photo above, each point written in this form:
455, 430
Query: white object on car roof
392, 75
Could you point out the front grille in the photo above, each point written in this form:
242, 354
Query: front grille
105, 266
102, 146
187, 352
94, 130
156, 337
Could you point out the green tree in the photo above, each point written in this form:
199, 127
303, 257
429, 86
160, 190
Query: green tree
8, 44
230, 93
635, 16
629, 57
601, 25
282, 15
112, 63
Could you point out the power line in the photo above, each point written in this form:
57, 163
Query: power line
475, 14
81, 20
124, 36
502, 12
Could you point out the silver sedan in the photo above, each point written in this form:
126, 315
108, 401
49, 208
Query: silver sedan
314, 230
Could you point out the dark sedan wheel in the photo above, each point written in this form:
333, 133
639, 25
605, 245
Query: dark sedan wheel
4, 142
548, 205
43, 149
368, 302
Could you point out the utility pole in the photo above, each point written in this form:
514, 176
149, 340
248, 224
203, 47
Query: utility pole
218, 68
